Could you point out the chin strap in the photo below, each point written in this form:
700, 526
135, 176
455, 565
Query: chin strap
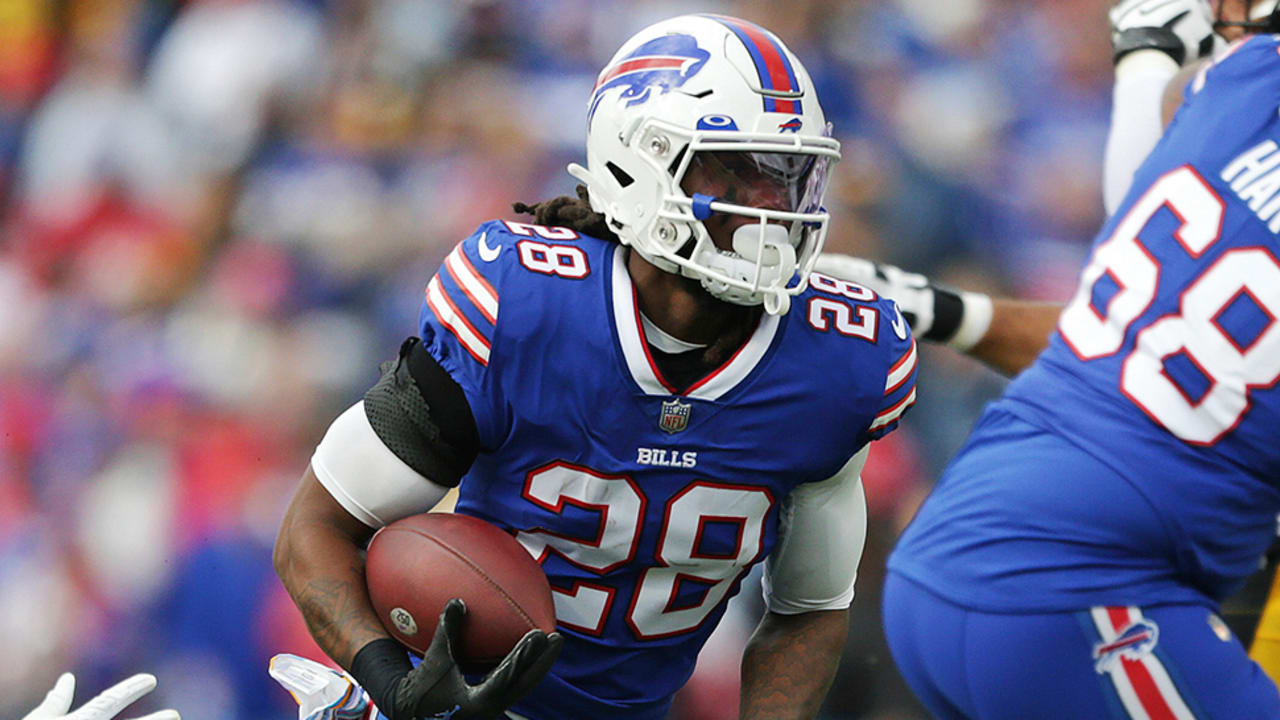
777, 303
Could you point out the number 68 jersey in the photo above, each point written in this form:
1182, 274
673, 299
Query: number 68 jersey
645, 504
1153, 416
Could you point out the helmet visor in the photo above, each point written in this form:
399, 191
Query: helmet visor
791, 182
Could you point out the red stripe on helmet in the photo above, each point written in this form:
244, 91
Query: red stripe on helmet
638, 64
773, 60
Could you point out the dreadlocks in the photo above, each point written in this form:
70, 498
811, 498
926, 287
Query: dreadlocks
574, 213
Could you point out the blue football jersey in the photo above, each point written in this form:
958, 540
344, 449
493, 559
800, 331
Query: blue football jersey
644, 505
1136, 461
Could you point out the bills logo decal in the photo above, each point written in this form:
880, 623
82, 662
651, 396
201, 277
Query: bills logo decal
663, 64
1126, 653
1137, 640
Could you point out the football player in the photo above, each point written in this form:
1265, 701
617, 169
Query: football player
648, 389
105, 706
1071, 560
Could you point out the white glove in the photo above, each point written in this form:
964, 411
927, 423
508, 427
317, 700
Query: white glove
934, 312
322, 693
911, 291
103, 707
1182, 29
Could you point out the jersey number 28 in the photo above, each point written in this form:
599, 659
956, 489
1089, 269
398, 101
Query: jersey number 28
655, 611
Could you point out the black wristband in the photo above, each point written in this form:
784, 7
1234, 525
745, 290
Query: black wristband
378, 667
948, 311
1149, 38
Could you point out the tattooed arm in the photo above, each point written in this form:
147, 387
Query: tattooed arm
789, 664
319, 558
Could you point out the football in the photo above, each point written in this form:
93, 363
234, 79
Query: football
415, 565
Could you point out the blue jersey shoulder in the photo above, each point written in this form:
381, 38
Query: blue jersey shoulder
501, 260
1250, 64
461, 308
497, 287
873, 342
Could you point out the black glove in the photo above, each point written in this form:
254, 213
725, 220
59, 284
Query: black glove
436, 688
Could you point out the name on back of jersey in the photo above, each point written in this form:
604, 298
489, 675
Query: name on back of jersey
1254, 176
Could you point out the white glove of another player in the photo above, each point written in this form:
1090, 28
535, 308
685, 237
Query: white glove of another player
322, 692
1182, 29
934, 312
103, 707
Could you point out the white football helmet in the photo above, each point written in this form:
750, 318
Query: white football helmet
708, 96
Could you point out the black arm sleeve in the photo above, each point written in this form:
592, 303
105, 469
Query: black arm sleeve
422, 415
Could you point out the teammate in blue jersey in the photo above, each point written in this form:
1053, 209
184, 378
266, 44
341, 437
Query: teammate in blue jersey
1072, 558
648, 389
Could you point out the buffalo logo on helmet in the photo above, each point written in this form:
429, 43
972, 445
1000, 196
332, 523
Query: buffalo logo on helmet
1135, 641
663, 63
792, 125
674, 417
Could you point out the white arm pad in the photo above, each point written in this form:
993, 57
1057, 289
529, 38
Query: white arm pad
365, 477
821, 532
1136, 124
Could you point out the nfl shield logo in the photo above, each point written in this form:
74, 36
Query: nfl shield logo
675, 416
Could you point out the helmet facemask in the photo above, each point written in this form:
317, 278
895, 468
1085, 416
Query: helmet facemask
750, 220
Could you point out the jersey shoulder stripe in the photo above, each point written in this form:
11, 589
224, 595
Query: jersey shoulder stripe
500, 257
463, 294
473, 285
899, 382
449, 315
902, 371
891, 414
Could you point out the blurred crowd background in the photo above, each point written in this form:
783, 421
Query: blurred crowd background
218, 216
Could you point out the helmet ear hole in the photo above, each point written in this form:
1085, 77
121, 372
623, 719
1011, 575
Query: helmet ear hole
620, 175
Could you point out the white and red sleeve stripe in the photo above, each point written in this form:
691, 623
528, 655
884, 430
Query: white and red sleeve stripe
473, 285
451, 317
899, 389
893, 412
901, 371
465, 303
